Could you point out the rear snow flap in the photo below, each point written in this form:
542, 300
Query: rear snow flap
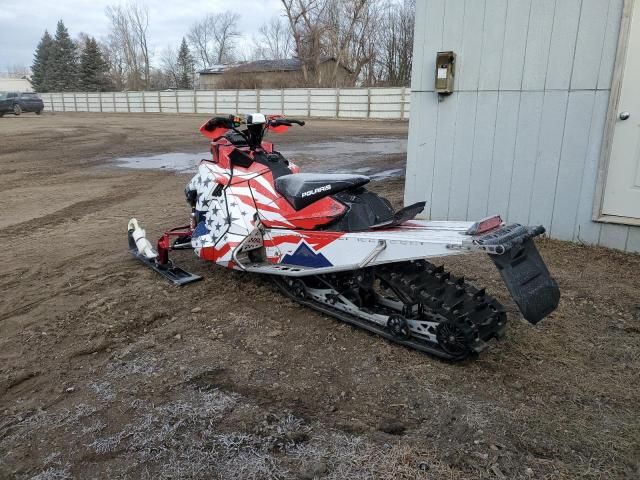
523, 270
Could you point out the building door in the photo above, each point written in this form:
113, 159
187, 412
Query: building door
622, 188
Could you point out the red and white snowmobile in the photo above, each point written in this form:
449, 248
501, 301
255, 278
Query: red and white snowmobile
332, 245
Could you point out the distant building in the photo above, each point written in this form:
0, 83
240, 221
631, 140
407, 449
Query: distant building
210, 77
274, 74
15, 84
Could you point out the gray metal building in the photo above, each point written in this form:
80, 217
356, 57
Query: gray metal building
543, 125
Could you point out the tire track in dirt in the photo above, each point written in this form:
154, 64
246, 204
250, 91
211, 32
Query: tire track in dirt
82, 283
75, 211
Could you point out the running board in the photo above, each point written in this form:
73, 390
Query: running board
292, 270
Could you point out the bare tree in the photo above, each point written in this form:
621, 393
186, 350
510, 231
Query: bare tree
346, 30
128, 36
213, 39
139, 22
349, 34
122, 42
170, 65
307, 23
274, 41
113, 55
17, 70
396, 53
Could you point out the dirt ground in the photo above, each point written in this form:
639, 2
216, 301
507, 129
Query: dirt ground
107, 371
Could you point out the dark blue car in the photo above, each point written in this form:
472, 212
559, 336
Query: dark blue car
16, 103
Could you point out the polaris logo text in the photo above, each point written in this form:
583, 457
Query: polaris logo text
316, 190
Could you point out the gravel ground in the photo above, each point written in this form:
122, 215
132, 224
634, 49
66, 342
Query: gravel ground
106, 371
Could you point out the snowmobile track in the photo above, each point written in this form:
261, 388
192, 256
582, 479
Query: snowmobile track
467, 312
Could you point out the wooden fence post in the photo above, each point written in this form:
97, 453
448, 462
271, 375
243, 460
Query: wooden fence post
402, 100
369, 102
282, 101
100, 100
337, 103
75, 102
215, 101
159, 102
63, 105
237, 100
308, 103
257, 100
113, 97
175, 94
144, 103
128, 104
195, 100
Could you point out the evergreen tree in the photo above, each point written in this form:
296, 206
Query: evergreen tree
185, 66
41, 67
64, 61
93, 75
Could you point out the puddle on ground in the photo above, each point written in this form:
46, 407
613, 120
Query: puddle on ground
367, 156
351, 148
180, 162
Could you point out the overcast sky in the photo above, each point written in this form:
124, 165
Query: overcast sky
22, 22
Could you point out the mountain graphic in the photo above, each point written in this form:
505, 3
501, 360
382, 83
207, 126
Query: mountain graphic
306, 257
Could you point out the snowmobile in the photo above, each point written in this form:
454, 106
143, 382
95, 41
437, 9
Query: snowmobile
332, 245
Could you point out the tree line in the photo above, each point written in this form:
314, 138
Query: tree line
372, 39
62, 65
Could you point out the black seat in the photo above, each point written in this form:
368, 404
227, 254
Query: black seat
302, 189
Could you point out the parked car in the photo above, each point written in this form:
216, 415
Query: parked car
16, 103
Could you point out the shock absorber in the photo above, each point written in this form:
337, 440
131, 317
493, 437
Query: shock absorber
163, 250
192, 218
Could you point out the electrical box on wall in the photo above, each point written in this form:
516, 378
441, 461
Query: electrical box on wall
445, 72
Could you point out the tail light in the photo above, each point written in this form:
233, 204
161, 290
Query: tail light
485, 225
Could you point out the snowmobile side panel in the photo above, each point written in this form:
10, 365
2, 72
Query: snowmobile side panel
338, 251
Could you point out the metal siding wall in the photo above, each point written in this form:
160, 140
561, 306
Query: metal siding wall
521, 135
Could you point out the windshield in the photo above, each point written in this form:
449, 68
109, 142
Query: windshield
3, 95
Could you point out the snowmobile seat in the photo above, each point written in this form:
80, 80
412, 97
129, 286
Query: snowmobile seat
302, 189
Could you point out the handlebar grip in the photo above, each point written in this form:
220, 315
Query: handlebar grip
298, 122
225, 122
217, 122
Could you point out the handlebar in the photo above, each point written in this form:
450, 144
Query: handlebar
216, 127
286, 121
222, 122
233, 121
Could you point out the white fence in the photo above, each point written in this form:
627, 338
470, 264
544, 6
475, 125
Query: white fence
392, 103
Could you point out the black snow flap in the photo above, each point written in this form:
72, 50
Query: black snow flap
523, 270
